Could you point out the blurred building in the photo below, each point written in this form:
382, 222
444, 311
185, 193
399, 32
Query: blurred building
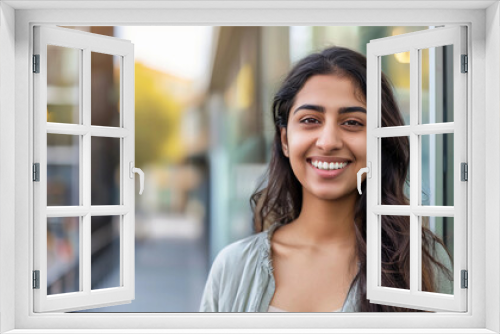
247, 63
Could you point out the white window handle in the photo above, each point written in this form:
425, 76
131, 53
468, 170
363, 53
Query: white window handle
368, 171
133, 170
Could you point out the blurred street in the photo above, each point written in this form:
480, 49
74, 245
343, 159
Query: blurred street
170, 263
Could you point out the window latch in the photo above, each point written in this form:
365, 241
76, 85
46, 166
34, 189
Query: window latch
133, 170
368, 171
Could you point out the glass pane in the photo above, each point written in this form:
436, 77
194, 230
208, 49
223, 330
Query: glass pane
63, 169
437, 169
395, 167
437, 266
105, 252
63, 255
105, 171
105, 89
437, 85
63, 84
396, 68
395, 251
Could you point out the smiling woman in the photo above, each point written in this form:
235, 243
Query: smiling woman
327, 128
312, 258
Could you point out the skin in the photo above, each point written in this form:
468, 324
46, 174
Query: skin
314, 257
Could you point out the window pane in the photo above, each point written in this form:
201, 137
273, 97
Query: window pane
105, 252
395, 169
63, 84
105, 171
395, 251
63, 255
437, 84
63, 169
105, 89
437, 277
396, 68
437, 169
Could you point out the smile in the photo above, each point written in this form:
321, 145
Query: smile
329, 165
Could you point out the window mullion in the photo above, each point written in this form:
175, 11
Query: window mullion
420, 129
96, 210
418, 235
414, 170
437, 128
109, 210
85, 237
406, 210
105, 131
81, 229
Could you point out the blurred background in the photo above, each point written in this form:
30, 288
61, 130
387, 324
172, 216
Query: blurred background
203, 134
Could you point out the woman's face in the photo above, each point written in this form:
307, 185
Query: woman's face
325, 139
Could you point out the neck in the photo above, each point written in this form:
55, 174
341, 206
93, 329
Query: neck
323, 222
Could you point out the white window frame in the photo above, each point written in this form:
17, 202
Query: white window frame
85, 43
414, 43
18, 18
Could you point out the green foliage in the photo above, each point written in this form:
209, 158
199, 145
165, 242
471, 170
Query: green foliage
157, 118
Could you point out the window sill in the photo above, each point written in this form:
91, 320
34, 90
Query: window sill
247, 331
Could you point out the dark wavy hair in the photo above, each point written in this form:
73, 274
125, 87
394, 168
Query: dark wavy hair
280, 199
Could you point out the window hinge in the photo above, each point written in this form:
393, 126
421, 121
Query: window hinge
36, 279
36, 172
465, 171
465, 279
465, 64
36, 63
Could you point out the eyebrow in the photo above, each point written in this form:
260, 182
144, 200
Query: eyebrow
343, 110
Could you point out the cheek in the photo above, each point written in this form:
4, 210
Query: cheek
358, 147
297, 143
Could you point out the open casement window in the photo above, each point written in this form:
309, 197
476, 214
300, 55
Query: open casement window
84, 157
432, 64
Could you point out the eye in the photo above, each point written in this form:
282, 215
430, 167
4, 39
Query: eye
309, 120
352, 122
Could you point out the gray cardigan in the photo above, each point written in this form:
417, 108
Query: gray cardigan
241, 278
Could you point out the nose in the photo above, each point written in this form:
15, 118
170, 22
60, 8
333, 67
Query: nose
330, 138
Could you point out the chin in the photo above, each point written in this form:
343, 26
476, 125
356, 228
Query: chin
329, 195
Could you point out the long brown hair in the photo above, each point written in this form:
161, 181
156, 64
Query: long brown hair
280, 199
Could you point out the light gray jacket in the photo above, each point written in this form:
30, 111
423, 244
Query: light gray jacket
241, 278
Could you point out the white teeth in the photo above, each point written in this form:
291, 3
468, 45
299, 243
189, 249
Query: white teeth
329, 166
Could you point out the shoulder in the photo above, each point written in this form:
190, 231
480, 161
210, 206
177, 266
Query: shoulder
233, 276
443, 276
244, 252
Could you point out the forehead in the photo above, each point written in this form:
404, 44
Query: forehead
331, 89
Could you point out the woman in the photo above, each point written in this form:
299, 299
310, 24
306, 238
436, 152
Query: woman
310, 252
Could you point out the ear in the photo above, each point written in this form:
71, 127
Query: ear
284, 142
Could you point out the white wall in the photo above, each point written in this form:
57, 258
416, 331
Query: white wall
492, 155
7, 159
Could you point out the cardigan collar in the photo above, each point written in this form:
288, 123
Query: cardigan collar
266, 259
